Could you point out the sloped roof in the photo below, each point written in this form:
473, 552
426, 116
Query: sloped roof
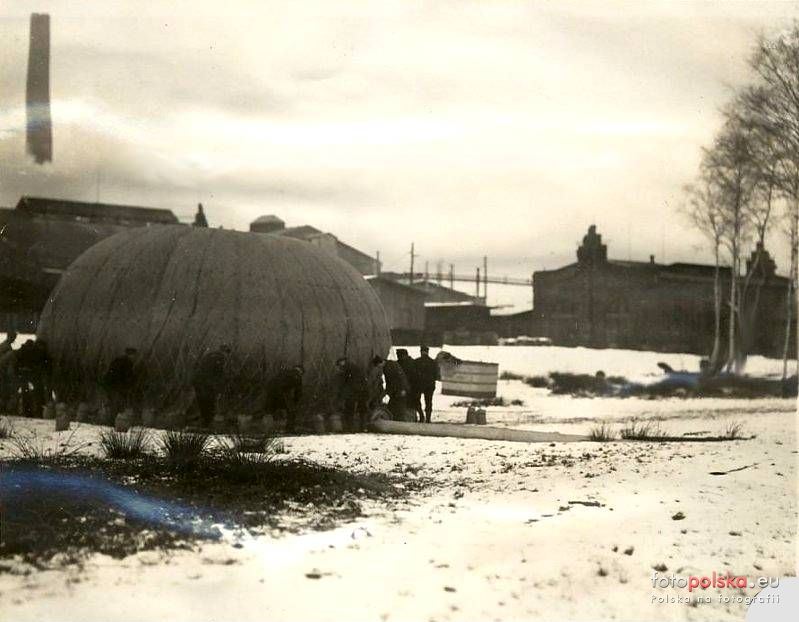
374, 279
104, 212
53, 243
303, 232
5, 214
456, 304
695, 269
355, 251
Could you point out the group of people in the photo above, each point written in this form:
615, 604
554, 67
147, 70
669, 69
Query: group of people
357, 391
24, 376
25, 385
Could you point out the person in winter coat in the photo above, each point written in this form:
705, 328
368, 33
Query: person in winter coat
397, 389
352, 394
374, 382
209, 381
408, 365
33, 367
284, 394
8, 374
427, 373
119, 381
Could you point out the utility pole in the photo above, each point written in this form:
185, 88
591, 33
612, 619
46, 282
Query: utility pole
485, 278
377, 263
477, 283
438, 272
413, 256
532, 291
452, 278
426, 272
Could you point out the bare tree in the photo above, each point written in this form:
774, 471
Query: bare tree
705, 212
772, 107
792, 231
760, 209
731, 168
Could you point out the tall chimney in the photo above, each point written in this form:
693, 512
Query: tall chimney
40, 134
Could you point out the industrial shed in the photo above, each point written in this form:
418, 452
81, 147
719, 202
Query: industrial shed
41, 237
404, 307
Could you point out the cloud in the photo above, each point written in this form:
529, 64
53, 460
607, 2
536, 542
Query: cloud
470, 128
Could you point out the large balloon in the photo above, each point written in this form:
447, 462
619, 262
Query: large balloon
174, 292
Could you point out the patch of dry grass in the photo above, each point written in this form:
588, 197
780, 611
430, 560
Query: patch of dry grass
602, 433
643, 431
30, 448
124, 445
734, 431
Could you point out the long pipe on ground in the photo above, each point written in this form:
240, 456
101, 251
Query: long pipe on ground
457, 430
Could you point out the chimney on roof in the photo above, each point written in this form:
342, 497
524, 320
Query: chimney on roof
37, 95
652, 259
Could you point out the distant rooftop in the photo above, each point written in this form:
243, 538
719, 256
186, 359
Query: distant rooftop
303, 232
104, 212
455, 304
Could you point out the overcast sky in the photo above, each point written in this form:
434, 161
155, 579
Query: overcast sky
469, 128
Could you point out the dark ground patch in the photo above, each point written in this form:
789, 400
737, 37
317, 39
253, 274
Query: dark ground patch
81, 505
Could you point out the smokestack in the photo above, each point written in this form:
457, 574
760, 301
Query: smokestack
40, 133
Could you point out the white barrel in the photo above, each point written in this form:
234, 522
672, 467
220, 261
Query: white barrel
470, 379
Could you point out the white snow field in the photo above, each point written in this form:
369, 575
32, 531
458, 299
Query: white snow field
497, 535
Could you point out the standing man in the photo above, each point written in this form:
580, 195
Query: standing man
209, 381
412, 376
33, 368
284, 393
427, 372
352, 394
119, 380
5, 346
8, 374
374, 384
397, 389
25, 370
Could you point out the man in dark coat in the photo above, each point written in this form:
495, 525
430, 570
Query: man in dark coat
284, 393
8, 374
375, 388
427, 372
5, 346
397, 389
209, 381
33, 369
119, 380
352, 394
412, 376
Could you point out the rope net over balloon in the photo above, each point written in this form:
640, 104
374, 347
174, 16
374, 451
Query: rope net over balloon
176, 292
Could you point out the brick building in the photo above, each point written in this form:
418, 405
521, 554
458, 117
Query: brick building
363, 263
41, 237
600, 302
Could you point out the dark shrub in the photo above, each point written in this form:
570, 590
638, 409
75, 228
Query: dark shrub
124, 445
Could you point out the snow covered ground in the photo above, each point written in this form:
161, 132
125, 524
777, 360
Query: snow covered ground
635, 365
496, 536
